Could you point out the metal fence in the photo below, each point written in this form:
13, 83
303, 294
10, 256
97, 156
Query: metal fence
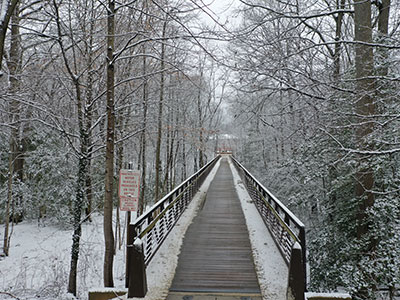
283, 225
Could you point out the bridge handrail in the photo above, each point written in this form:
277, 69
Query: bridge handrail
154, 226
291, 229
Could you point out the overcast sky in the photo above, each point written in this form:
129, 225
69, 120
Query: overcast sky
221, 10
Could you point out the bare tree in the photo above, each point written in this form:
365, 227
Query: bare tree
84, 106
365, 106
7, 9
109, 179
158, 165
16, 146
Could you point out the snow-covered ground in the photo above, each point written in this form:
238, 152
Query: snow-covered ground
38, 264
272, 270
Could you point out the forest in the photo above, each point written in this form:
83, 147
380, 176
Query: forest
305, 93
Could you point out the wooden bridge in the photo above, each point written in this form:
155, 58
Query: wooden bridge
216, 255
216, 259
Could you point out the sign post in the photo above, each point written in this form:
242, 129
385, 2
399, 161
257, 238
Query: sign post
129, 187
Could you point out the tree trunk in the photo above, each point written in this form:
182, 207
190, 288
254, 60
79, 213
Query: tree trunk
174, 162
170, 152
195, 166
77, 212
79, 202
9, 11
108, 197
143, 139
383, 29
184, 167
167, 151
6, 241
14, 65
338, 36
119, 166
88, 120
89, 190
160, 113
15, 155
200, 119
364, 107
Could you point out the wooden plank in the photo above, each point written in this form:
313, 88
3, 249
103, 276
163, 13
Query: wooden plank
216, 253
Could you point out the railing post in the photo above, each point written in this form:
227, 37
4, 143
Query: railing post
296, 280
130, 237
137, 270
302, 237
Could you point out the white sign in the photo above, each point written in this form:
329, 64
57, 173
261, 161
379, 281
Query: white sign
129, 188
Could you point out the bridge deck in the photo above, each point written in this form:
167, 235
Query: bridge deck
216, 254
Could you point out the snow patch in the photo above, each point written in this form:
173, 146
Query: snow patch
327, 295
138, 244
296, 246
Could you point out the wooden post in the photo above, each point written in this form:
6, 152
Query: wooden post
296, 281
130, 237
302, 237
137, 270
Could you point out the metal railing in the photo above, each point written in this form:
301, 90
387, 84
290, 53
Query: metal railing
147, 233
284, 226
153, 226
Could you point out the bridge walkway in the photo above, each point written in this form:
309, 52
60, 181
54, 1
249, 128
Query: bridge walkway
216, 256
